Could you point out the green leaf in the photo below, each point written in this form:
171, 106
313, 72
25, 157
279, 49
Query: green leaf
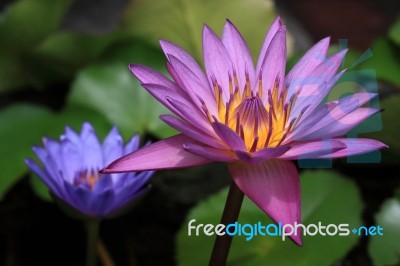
72, 49
40, 188
26, 22
327, 197
11, 69
385, 61
391, 125
385, 250
181, 21
22, 126
110, 89
394, 31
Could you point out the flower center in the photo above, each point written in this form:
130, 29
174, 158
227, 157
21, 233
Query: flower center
260, 123
86, 177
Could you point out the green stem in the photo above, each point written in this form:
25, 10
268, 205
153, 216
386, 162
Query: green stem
92, 227
231, 212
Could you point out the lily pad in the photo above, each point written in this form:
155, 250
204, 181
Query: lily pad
394, 32
385, 61
385, 250
181, 21
111, 89
391, 125
327, 197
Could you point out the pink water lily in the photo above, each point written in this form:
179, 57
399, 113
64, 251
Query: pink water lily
256, 119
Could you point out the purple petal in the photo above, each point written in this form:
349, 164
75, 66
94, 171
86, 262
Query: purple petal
50, 182
78, 197
132, 145
355, 147
105, 182
273, 68
239, 54
210, 153
262, 155
52, 167
147, 75
72, 159
230, 138
216, 61
274, 186
194, 87
343, 125
112, 146
312, 149
318, 83
165, 154
191, 115
91, 148
312, 58
276, 25
191, 132
101, 204
329, 115
185, 58
161, 93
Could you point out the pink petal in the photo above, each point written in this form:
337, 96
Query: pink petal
262, 155
239, 54
176, 51
229, 137
216, 61
276, 25
355, 147
273, 68
274, 186
314, 88
186, 129
345, 124
312, 58
329, 115
194, 86
148, 75
312, 149
210, 153
191, 115
164, 154
162, 93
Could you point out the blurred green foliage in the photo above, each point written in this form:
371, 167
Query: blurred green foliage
37, 55
327, 197
181, 21
386, 250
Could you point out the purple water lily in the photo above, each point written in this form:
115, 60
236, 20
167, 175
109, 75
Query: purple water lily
256, 119
71, 171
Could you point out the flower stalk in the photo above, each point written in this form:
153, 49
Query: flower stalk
230, 215
92, 234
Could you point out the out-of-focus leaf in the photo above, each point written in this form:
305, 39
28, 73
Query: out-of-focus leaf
11, 69
327, 197
111, 89
385, 60
40, 188
394, 32
181, 21
26, 22
385, 250
70, 49
391, 125
22, 126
